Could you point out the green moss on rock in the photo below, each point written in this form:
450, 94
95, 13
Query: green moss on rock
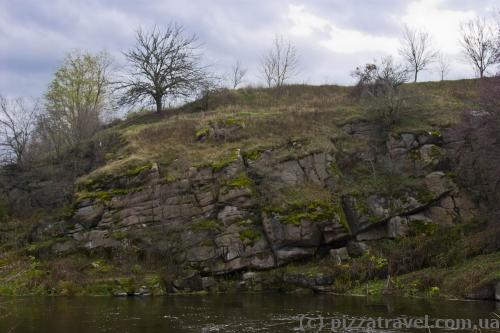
206, 225
225, 161
251, 155
111, 180
249, 235
435, 152
241, 180
202, 133
424, 195
335, 170
315, 211
435, 134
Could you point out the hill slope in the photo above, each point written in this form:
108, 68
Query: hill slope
297, 184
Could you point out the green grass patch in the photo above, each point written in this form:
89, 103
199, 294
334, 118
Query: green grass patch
250, 235
206, 225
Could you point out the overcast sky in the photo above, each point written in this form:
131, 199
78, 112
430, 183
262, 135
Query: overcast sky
332, 36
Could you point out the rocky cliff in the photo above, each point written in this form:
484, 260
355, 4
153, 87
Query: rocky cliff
226, 218
335, 189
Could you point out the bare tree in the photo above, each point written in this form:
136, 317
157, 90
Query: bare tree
417, 50
164, 64
17, 122
237, 74
443, 66
268, 69
478, 43
280, 63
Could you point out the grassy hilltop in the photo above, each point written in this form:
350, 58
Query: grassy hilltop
270, 117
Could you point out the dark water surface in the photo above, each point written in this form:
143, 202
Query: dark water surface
225, 313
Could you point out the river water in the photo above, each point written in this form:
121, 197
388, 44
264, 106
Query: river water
240, 313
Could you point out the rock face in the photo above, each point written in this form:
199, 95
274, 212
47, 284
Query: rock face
217, 219
291, 242
208, 219
417, 153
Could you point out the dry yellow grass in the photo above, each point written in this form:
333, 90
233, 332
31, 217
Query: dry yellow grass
269, 117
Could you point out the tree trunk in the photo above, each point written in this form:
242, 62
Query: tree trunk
159, 105
416, 74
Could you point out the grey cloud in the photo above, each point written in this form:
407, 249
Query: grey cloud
374, 17
482, 7
35, 34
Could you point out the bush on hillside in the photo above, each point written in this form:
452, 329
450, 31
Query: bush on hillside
378, 89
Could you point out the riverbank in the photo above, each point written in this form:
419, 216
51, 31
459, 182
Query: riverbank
475, 279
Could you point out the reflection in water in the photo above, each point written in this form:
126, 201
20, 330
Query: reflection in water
215, 313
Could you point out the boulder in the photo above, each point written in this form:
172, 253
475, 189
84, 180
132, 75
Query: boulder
484, 292
339, 255
279, 234
431, 155
440, 216
355, 217
375, 233
67, 247
313, 168
250, 276
433, 137
378, 206
104, 243
370, 218
247, 260
264, 260
416, 154
230, 214
409, 140
418, 218
333, 233
143, 291
399, 145
287, 255
357, 249
89, 216
397, 227
190, 282
207, 282
241, 197
200, 253
439, 184
229, 246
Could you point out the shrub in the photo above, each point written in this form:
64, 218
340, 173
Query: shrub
378, 88
433, 247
